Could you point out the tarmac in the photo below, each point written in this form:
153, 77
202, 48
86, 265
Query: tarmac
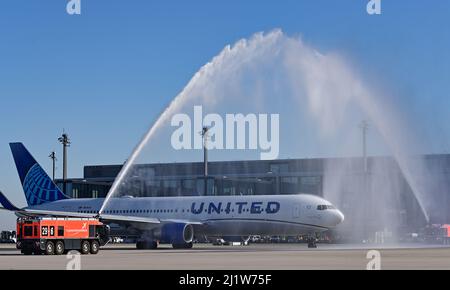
253, 257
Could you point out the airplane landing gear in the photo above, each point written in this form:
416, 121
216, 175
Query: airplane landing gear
183, 246
312, 243
146, 245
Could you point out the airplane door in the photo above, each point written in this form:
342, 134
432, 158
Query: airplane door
296, 213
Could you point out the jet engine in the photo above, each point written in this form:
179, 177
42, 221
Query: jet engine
177, 233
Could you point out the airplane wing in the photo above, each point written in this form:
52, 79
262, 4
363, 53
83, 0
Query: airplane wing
142, 223
6, 203
39, 213
109, 218
129, 219
179, 221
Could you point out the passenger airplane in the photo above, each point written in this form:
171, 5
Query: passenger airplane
177, 220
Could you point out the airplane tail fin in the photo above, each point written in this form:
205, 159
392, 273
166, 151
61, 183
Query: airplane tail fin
37, 185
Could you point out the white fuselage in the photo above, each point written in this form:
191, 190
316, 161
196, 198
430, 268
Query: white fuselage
221, 215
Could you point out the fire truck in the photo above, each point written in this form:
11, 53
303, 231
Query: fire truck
57, 236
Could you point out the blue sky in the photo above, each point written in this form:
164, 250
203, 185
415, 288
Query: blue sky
105, 75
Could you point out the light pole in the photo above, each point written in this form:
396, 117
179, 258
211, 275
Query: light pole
52, 156
204, 134
365, 128
367, 199
65, 141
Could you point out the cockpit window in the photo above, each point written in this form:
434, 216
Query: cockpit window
325, 207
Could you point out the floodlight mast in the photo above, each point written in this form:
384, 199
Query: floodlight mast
65, 141
365, 128
52, 156
205, 136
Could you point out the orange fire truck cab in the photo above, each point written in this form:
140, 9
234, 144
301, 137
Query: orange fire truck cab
56, 236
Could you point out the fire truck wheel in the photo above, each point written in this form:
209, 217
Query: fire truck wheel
59, 248
85, 248
95, 247
50, 248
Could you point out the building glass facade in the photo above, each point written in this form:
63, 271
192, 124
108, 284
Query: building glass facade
308, 176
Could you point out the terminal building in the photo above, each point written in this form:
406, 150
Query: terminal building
362, 190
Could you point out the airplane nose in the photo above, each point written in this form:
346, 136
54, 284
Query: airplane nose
340, 217
335, 218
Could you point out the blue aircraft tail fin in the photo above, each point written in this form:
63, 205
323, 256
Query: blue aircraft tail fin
37, 185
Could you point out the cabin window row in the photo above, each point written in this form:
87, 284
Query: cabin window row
153, 211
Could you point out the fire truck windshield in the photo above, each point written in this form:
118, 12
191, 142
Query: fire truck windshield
28, 231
